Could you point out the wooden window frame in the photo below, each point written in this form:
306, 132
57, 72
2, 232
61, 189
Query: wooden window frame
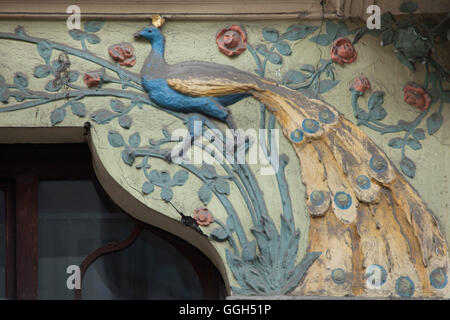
21, 188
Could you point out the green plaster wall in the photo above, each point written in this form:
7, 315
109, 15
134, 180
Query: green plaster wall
196, 41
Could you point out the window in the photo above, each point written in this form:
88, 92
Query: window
64, 217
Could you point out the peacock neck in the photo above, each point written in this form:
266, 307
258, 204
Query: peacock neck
155, 62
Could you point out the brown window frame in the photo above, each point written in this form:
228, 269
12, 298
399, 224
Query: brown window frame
21, 168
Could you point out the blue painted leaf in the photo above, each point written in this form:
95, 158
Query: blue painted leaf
308, 68
94, 25
115, 139
44, 49
249, 251
102, 116
57, 115
297, 32
128, 156
54, 85
204, 194
219, 234
396, 143
377, 113
325, 85
284, 48
134, 140
154, 177
270, 34
332, 29
180, 178
125, 121
41, 71
414, 144
401, 57
361, 114
117, 106
164, 178
222, 186
408, 167
92, 38
408, 6
419, 134
208, 171
434, 123
262, 49
342, 30
77, 34
300, 271
148, 187
78, 109
166, 194
73, 76
20, 80
293, 76
376, 100
275, 58
387, 37
322, 39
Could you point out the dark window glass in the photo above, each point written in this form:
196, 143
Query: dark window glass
75, 218
2, 244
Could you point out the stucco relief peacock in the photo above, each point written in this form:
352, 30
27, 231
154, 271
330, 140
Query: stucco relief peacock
370, 232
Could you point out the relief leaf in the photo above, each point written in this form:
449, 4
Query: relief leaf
57, 115
115, 139
41, 71
219, 234
92, 38
284, 48
148, 187
434, 122
414, 144
293, 76
396, 143
180, 178
45, 51
275, 58
20, 80
102, 116
117, 105
297, 32
408, 167
166, 194
270, 34
77, 34
134, 140
125, 121
204, 194
419, 134
94, 25
78, 109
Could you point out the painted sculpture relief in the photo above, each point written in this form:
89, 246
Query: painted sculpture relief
370, 232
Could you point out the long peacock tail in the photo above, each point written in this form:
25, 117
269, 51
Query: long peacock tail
376, 234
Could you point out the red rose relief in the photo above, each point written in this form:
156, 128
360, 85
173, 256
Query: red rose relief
361, 84
203, 217
416, 96
123, 53
231, 40
342, 51
94, 78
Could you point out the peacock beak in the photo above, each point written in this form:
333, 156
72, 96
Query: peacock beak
138, 35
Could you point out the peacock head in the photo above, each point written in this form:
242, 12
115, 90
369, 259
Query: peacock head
150, 33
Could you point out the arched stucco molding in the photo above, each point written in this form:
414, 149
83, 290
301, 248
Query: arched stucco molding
117, 192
